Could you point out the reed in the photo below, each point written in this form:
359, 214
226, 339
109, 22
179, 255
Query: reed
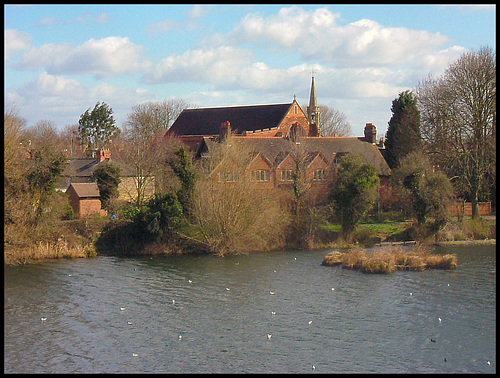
388, 259
47, 250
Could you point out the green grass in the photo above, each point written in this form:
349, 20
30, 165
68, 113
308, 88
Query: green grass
386, 228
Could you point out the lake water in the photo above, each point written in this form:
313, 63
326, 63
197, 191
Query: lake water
261, 313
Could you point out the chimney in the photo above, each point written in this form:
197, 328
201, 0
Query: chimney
225, 130
103, 154
371, 133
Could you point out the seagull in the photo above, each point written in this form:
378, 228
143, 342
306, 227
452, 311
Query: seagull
314, 367
269, 336
273, 313
43, 319
129, 323
190, 281
227, 288
271, 293
411, 294
439, 320
295, 258
333, 288
310, 322
122, 308
135, 355
433, 340
69, 275
180, 337
488, 362
173, 301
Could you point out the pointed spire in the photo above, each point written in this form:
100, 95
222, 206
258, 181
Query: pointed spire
313, 102
313, 108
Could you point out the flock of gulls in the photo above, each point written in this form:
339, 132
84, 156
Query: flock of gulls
273, 313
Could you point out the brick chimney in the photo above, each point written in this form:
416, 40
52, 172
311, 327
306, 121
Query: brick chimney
103, 154
371, 133
225, 130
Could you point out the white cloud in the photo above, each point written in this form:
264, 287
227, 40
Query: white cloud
63, 100
161, 27
218, 66
198, 11
48, 21
102, 18
103, 57
317, 36
15, 41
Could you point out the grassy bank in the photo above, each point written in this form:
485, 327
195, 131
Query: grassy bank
370, 234
388, 259
83, 238
65, 239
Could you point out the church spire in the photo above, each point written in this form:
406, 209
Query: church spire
313, 108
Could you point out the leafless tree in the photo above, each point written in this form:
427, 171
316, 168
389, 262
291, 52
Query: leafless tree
144, 147
230, 215
458, 113
333, 122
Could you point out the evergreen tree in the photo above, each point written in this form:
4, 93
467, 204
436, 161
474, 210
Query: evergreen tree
97, 127
183, 168
107, 176
354, 191
403, 133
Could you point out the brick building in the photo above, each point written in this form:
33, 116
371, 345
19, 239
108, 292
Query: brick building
85, 200
276, 134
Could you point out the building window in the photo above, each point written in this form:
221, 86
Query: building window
296, 109
261, 175
287, 175
228, 176
319, 174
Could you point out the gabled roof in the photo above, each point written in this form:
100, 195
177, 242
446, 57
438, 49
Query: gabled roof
276, 149
86, 190
207, 121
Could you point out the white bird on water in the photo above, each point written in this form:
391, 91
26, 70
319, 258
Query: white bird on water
310, 322
122, 308
180, 337
314, 367
273, 313
43, 319
129, 323
173, 301
269, 336
135, 355
190, 281
439, 320
271, 293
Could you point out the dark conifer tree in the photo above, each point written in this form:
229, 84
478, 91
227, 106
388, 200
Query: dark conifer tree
403, 134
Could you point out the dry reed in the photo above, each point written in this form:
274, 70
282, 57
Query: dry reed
46, 250
388, 259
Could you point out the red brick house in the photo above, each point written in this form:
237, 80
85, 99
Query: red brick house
276, 135
84, 199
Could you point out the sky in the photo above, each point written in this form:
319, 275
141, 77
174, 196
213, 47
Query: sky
60, 60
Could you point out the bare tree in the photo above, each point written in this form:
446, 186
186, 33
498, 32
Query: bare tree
458, 113
144, 149
333, 122
231, 215
70, 140
150, 117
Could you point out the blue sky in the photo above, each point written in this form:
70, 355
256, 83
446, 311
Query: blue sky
62, 59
